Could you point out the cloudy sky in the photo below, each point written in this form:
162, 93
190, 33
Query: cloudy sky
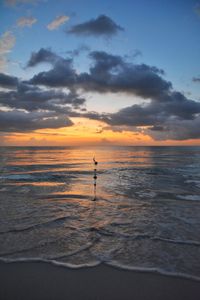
89, 72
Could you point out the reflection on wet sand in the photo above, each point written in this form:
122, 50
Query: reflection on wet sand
95, 178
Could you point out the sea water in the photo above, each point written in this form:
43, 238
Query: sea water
142, 214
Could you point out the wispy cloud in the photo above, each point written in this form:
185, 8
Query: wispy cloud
26, 21
7, 42
57, 22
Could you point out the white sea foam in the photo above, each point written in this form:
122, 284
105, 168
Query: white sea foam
147, 194
189, 197
114, 264
196, 182
154, 270
54, 262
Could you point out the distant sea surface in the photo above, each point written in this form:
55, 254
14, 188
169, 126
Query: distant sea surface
144, 214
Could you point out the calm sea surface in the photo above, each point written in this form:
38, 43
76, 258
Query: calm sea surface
144, 214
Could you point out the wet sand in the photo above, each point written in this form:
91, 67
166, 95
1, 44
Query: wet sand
44, 281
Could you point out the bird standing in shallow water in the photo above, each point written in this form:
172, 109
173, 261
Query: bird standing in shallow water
95, 162
95, 177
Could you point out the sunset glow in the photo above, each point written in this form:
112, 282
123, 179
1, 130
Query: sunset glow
99, 149
91, 78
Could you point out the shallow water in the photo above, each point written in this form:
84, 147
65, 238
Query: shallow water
145, 216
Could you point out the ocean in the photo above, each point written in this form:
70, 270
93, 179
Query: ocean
139, 210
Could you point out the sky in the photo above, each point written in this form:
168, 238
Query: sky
89, 72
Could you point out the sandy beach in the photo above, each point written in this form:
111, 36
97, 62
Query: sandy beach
44, 281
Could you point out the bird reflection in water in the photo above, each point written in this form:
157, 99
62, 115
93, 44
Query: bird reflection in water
95, 178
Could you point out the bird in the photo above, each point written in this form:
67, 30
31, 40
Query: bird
95, 162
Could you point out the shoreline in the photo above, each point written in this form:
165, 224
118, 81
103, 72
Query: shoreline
47, 281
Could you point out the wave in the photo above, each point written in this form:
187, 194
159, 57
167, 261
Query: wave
189, 197
195, 182
154, 270
146, 236
54, 262
113, 264
40, 225
187, 242
79, 250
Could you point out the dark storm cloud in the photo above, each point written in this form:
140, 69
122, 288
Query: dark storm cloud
167, 113
176, 104
7, 81
156, 113
42, 56
111, 73
32, 98
132, 116
61, 75
101, 26
177, 130
196, 79
176, 118
19, 121
31, 107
